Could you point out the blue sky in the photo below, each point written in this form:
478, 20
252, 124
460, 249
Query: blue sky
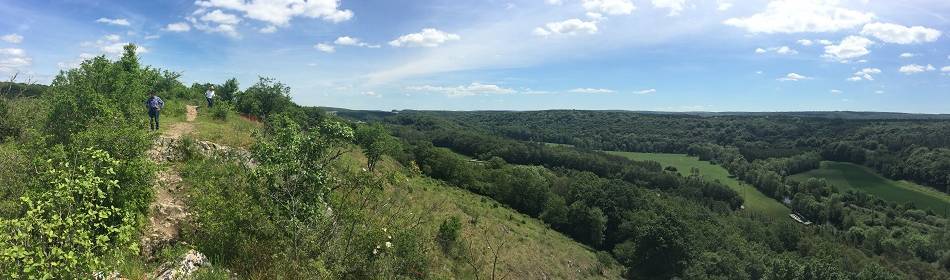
666, 55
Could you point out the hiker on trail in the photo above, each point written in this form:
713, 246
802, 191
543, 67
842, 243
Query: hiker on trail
210, 96
154, 105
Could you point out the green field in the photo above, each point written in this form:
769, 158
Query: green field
754, 199
848, 176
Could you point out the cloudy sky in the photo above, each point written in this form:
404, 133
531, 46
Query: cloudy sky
668, 55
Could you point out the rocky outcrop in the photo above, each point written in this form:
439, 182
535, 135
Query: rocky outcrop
183, 268
167, 149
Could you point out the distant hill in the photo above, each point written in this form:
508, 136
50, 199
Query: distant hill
369, 115
10, 90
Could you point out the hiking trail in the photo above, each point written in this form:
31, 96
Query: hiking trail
177, 130
168, 210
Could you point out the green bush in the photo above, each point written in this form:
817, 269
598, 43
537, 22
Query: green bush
174, 108
448, 234
71, 225
221, 111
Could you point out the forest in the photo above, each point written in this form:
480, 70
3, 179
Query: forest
762, 151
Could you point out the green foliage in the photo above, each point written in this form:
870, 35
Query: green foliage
448, 234
375, 142
228, 90
69, 227
99, 91
221, 111
265, 98
19, 90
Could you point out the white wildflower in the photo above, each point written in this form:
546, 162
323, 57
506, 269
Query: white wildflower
389, 244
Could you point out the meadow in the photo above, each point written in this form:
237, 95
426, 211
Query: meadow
849, 176
754, 199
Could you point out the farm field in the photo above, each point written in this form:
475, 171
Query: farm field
754, 199
848, 176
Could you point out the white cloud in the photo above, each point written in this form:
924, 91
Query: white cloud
835, 91
596, 17
907, 55
825, 42
849, 48
945, 69
591, 90
675, 6
324, 48
116, 21
371, 93
568, 27
178, 27
14, 59
112, 37
794, 77
783, 50
723, 5
914, 69
610, 7
151, 37
280, 12
267, 30
469, 90
350, 41
219, 17
12, 38
865, 74
428, 37
553, 2
805, 42
646, 91
879, 92
116, 49
794, 16
75, 63
899, 34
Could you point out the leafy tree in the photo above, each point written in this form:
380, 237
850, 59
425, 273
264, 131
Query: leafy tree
587, 223
294, 174
265, 98
375, 142
228, 90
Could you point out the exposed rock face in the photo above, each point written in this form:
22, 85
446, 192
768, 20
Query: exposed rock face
173, 149
182, 268
166, 213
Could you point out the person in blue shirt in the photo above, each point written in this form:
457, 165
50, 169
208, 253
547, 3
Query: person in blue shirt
154, 105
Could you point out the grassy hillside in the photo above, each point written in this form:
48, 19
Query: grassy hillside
754, 199
848, 176
528, 249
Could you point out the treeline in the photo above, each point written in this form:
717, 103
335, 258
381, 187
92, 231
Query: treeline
644, 173
661, 225
914, 150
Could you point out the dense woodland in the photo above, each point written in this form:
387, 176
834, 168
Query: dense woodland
854, 230
916, 150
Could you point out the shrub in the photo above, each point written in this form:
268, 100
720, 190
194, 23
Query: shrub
448, 234
69, 227
221, 111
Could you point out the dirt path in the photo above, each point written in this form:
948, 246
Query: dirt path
168, 210
177, 130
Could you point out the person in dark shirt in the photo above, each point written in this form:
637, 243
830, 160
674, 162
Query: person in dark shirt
154, 105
